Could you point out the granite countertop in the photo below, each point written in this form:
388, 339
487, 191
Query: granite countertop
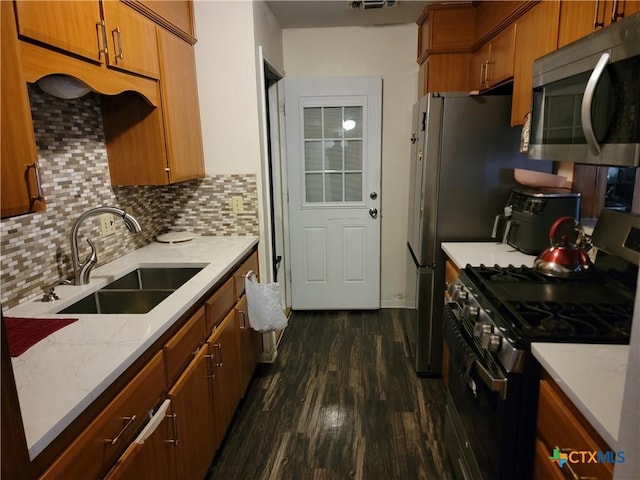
593, 377
61, 375
487, 253
583, 371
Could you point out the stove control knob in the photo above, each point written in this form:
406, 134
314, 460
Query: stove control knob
463, 295
481, 329
491, 341
472, 312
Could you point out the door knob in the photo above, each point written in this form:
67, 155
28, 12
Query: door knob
373, 212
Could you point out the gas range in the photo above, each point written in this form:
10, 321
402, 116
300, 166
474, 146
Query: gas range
494, 314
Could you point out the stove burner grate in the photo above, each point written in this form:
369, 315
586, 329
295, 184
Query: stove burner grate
571, 320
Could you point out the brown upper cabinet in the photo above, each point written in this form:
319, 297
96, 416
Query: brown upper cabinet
445, 29
536, 35
20, 182
493, 63
580, 18
150, 146
107, 32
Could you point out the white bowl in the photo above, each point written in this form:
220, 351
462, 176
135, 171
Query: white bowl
531, 178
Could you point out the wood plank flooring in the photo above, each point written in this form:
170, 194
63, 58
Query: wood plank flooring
341, 401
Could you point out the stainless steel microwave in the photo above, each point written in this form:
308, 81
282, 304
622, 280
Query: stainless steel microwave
586, 99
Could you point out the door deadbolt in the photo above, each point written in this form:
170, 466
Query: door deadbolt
373, 195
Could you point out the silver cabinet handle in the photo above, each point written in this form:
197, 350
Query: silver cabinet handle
614, 12
243, 314
587, 101
219, 347
175, 440
482, 67
212, 362
36, 169
596, 23
117, 41
102, 32
117, 438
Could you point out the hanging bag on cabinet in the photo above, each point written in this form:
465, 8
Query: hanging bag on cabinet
265, 309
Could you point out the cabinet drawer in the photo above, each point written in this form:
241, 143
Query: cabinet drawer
219, 304
558, 426
543, 468
250, 264
99, 445
180, 350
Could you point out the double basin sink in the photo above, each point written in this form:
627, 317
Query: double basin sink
134, 293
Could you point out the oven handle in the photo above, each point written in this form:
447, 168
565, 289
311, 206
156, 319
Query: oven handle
453, 335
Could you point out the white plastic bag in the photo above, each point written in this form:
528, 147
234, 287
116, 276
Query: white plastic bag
265, 309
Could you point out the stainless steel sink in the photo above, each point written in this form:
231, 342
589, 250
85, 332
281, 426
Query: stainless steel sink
154, 278
118, 301
134, 293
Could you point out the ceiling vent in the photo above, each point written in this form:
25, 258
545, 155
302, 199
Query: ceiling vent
371, 4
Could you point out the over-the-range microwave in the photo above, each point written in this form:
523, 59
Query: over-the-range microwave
586, 99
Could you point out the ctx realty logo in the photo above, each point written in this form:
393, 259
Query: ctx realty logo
586, 456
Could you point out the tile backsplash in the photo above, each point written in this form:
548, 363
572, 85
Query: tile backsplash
35, 248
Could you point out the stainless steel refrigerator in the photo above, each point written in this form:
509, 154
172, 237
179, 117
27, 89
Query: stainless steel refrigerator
463, 155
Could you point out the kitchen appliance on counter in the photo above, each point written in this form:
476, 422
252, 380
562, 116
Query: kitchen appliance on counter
532, 212
462, 160
494, 315
586, 99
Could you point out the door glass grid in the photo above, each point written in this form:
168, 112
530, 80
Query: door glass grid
333, 164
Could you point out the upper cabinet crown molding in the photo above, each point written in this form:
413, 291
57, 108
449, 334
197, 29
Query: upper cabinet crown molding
175, 16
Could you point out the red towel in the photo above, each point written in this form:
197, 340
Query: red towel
23, 333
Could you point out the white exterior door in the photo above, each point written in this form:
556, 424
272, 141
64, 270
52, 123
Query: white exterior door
333, 132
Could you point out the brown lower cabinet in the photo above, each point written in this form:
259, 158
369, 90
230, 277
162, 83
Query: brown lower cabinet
168, 422
192, 410
561, 426
250, 343
154, 456
224, 349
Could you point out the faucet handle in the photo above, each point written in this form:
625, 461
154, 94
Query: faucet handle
49, 290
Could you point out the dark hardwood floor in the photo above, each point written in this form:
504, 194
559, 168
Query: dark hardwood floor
341, 401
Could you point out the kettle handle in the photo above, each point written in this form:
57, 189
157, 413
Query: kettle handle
557, 224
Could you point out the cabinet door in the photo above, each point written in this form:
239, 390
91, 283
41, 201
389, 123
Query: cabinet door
541, 24
184, 345
250, 343
192, 404
501, 58
93, 452
478, 70
71, 26
448, 72
224, 348
180, 108
155, 457
18, 140
131, 38
581, 17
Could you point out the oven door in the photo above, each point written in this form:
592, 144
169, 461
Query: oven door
476, 429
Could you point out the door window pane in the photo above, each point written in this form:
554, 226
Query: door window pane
328, 157
333, 187
313, 122
313, 187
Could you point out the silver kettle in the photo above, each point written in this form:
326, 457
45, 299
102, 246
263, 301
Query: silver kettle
565, 258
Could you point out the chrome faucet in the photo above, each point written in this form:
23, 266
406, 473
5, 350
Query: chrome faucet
81, 270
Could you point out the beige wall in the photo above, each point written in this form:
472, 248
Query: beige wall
268, 34
389, 51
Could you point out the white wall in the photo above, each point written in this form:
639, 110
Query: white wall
389, 51
268, 34
225, 62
